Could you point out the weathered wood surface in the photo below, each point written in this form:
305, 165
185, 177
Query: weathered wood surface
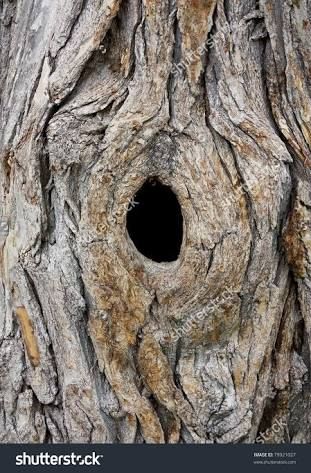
97, 343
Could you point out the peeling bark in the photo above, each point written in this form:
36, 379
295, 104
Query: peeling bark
97, 342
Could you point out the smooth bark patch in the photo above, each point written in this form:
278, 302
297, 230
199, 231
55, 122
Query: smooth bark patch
28, 336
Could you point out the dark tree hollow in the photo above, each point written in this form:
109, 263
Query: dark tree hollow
155, 222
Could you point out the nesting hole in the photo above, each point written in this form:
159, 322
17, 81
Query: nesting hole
155, 222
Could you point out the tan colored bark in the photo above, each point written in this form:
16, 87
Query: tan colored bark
97, 342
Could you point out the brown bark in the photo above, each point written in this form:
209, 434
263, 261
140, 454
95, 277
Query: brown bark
97, 342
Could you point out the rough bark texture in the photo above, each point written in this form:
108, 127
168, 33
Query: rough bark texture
95, 97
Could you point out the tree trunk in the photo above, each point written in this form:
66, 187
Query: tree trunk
99, 343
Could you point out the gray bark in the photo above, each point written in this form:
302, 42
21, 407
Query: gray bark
98, 343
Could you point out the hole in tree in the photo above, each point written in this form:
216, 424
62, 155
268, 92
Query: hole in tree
155, 222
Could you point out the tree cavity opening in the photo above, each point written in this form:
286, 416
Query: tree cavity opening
155, 222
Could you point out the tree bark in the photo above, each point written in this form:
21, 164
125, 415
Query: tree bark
97, 342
